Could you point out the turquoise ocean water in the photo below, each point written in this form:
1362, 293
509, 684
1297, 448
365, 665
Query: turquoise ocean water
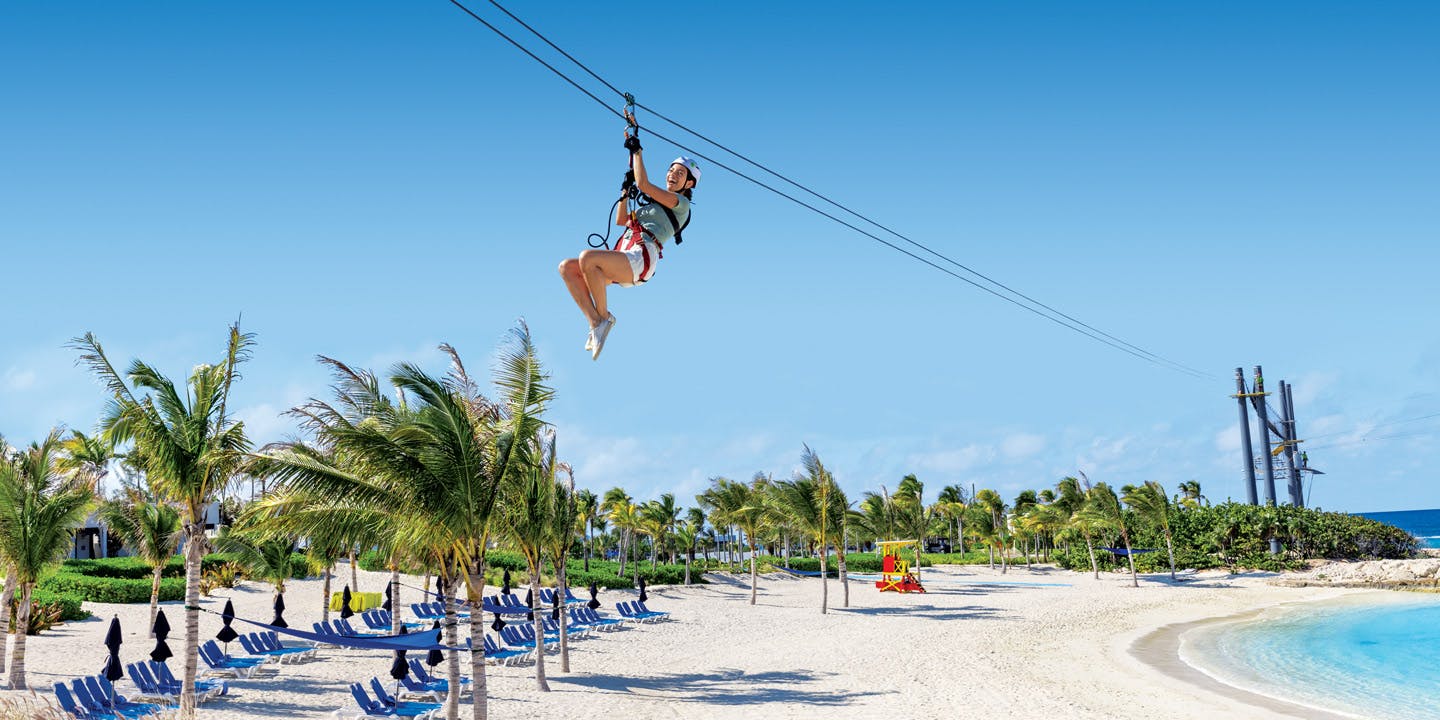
1368, 657
1423, 524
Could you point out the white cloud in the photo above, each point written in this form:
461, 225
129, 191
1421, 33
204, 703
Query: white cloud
952, 461
1228, 440
17, 380
1022, 445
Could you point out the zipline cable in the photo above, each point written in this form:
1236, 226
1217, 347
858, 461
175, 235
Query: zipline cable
1086, 330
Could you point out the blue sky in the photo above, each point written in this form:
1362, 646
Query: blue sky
1223, 185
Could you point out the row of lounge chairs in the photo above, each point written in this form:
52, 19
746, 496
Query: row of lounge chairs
154, 681
94, 697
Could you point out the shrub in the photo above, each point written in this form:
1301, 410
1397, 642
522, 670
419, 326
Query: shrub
124, 567
69, 604
110, 589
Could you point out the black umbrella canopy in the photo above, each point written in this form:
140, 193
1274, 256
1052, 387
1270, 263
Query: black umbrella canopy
643, 596
555, 603
505, 582
112, 670
161, 653
345, 610
435, 657
227, 616
279, 619
499, 623
439, 589
594, 602
389, 592
530, 603
399, 668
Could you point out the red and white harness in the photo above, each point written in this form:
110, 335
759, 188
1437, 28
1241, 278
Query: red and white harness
633, 238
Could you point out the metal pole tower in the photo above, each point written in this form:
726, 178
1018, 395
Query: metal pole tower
1245, 447
1297, 494
1264, 416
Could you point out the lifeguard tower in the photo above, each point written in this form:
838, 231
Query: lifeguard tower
896, 574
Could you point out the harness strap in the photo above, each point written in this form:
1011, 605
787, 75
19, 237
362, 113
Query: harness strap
670, 215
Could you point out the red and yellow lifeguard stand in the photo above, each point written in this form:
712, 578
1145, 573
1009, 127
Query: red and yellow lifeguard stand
896, 574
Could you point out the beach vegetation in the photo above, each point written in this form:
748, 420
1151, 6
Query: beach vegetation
150, 528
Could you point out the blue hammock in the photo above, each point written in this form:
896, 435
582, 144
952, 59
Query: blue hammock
424, 640
1122, 552
800, 573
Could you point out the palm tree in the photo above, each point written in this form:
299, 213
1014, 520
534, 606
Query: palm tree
951, 504
587, 506
39, 505
561, 536
914, 516
1149, 501
527, 512
809, 499
686, 535
1190, 496
433, 464
261, 558
991, 504
1103, 504
615, 504
187, 446
737, 504
150, 527
1043, 520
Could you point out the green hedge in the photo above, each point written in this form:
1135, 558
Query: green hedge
110, 589
69, 604
124, 567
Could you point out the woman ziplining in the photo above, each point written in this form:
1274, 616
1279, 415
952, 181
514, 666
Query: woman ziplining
660, 214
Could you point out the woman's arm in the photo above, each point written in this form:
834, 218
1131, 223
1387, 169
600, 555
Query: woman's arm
622, 212
656, 193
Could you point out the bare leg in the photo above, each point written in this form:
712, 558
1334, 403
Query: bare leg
600, 268
575, 282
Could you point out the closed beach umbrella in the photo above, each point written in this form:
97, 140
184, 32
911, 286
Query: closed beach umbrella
439, 590
389, 589
555, 611
112, 670
594, 602
279, 619
227, 633
505, 582
530, 603
435, 657
161, 653
345, 610
643, 596
399, 668
498, 624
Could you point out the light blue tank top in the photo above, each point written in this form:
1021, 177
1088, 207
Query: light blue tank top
652, 218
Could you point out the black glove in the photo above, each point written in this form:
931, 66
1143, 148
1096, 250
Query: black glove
632, 143
629, 181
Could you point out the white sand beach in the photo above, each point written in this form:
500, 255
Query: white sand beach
963, 649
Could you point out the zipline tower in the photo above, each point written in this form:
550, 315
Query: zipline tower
1278, 457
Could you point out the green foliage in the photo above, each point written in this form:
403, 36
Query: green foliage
124, 567
603, 573
1238, 535
69, 604
109, 589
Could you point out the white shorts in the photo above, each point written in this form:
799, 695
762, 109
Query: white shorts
644, 256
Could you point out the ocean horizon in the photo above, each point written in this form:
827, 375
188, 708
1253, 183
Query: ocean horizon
1423, 524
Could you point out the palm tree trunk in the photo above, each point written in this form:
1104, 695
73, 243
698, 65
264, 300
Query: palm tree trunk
1134, 579
395, 622
844, 578
785, 539
753, 574
587, 544
1094, 565
354, 579
325, 598
194, 546
22, 626
560, 590
475, 584
960, 532
1170, 548
452, 639
539, 621
824, 584
5, 600
620, 550
155, 597
687, 568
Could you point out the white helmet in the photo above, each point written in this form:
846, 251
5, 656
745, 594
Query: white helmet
690, 166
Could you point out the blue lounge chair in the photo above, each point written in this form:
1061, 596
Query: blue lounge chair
662, 614
630, 611
222, 664
270, 640
70, 705
93, 700
585, 617
503, 656
372, 708
167, 680
257, 645
416, 690
146, 686
425, 676
104, 691
395, 702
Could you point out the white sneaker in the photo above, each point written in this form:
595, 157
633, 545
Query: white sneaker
598, 335
589, 340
